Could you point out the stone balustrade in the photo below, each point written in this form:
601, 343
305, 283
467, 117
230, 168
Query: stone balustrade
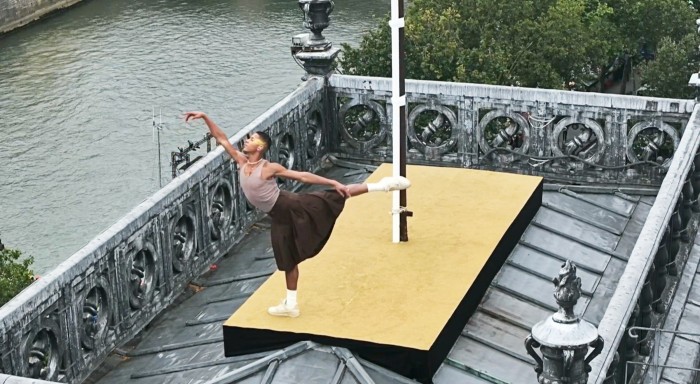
564, 136
664, 241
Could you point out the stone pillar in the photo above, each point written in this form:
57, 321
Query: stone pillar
316, 54
564, 338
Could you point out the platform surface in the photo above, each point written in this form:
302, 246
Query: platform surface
364, 287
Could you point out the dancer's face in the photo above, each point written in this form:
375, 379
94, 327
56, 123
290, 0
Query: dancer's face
254, 144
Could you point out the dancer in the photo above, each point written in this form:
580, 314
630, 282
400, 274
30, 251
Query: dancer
301, 222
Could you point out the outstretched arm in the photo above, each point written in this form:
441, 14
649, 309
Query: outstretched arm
277, 170
218, 135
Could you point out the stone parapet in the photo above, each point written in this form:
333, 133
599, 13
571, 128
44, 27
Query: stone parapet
565, 136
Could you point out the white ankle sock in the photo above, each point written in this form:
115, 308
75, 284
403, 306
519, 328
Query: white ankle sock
375, 187
291, 298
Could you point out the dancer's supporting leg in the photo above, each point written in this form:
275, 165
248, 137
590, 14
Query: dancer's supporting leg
289, 306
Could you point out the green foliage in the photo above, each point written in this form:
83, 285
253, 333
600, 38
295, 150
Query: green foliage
663, 75
15, 274
532, 43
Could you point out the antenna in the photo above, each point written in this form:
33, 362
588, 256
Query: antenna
157, 128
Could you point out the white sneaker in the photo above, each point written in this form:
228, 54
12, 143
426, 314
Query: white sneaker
394, 183
284, 310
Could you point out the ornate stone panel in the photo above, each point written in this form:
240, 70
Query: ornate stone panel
142, 271
502, 129
285, 148
433, 129
652, 140
220, 208
315, 124
42, 348
578, 136
96, 310
363, 124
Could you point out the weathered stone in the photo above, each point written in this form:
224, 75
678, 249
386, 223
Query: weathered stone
16, 13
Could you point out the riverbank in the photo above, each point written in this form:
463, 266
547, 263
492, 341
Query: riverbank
18, 13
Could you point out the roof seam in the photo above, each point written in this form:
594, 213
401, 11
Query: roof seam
240, 295
580, 197
537, 248
508, 320
174, 346
495, 346
473, 371
527, 298
203, 364
578, 217
233, 279
580, 241
541, 275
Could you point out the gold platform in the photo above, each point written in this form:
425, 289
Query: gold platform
362, 288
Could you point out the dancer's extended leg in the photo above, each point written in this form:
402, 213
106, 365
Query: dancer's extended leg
387, 184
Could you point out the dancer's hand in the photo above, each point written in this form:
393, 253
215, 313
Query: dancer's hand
193, 116
344, 190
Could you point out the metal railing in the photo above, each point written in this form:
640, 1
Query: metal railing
654, 364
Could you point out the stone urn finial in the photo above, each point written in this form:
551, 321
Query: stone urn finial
317, 17
567, 290
316, 54
564, 339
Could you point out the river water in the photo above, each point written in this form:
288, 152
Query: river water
78, 90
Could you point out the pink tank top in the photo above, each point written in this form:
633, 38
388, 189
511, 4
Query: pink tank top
262, 194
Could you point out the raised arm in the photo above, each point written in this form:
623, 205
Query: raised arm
218, 135
278, 170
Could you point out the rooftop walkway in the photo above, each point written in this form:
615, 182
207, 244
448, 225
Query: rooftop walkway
596, 231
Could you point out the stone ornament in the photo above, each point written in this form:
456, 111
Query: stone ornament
363, 124
438, 135
564, 338
220, 208
588, 141
646, 139
314, 130
501, 129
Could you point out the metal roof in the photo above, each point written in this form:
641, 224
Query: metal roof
597, 231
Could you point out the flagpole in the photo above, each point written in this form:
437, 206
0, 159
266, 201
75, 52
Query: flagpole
398, 102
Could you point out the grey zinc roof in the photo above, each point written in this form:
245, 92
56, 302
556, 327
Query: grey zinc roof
595, 230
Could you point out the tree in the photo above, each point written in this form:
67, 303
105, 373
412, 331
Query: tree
15, 275
663, 76
532, 43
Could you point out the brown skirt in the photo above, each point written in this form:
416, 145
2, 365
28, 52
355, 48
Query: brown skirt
302, 224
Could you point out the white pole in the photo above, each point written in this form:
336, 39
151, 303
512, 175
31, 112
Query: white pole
397, 101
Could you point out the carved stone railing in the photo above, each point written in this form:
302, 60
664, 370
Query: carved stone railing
645, 287
566, 136
64, 325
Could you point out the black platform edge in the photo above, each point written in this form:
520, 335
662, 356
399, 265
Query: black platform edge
416, 364
466, 308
